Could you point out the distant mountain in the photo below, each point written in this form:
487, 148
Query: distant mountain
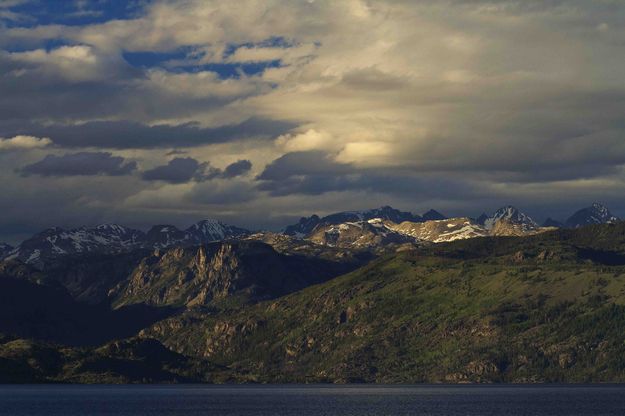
213, 230
433, 215
512, 215
306, 225
439, 231
550, 222
303, 227
162, 236
56, 242
370, 234
594, 214
374, 228
111, 239
508, 228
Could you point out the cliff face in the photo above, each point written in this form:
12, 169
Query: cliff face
249, 270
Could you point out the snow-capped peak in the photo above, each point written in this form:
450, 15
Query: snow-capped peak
511, 214
213, 230
208, 229
594, 214
113, 238
113, 228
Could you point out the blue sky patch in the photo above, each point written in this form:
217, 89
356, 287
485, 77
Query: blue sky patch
72, 13
180, 60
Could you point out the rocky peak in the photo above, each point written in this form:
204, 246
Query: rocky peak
161, 236
306, 225
213, 230
513, 216
433, 215
303, 227
390, 214
594, 214
550, 222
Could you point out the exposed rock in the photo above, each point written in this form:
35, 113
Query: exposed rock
199, 275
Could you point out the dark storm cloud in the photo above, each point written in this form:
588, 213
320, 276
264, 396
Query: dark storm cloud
187, 169
313, 162
80, 164
132, 135
179, 170
315, 173
238, 168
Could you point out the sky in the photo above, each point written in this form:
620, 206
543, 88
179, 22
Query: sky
260, 112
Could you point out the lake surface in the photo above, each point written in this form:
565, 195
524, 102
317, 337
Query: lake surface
359, 400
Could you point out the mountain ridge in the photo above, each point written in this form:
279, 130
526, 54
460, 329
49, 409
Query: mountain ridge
55, 242
47, 246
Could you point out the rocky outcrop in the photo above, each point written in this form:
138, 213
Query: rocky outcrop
248, 270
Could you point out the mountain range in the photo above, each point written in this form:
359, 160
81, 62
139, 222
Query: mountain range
544, 307
373, 296
378, 229
56, 242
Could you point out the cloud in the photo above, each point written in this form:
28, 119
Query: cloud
308, 140
312, 162
81, 164
181, 170
221, 193
457, 105
133, 135
24, 143
187, 169
238, 168
317, 173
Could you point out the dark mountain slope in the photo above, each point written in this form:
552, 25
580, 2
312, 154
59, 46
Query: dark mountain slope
33, 306
90, 277
129, 361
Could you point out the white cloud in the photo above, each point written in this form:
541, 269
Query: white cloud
73, 63
309, 140
24, 143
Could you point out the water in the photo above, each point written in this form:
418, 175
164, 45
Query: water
312, 400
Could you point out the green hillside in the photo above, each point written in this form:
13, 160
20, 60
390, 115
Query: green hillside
534, 309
